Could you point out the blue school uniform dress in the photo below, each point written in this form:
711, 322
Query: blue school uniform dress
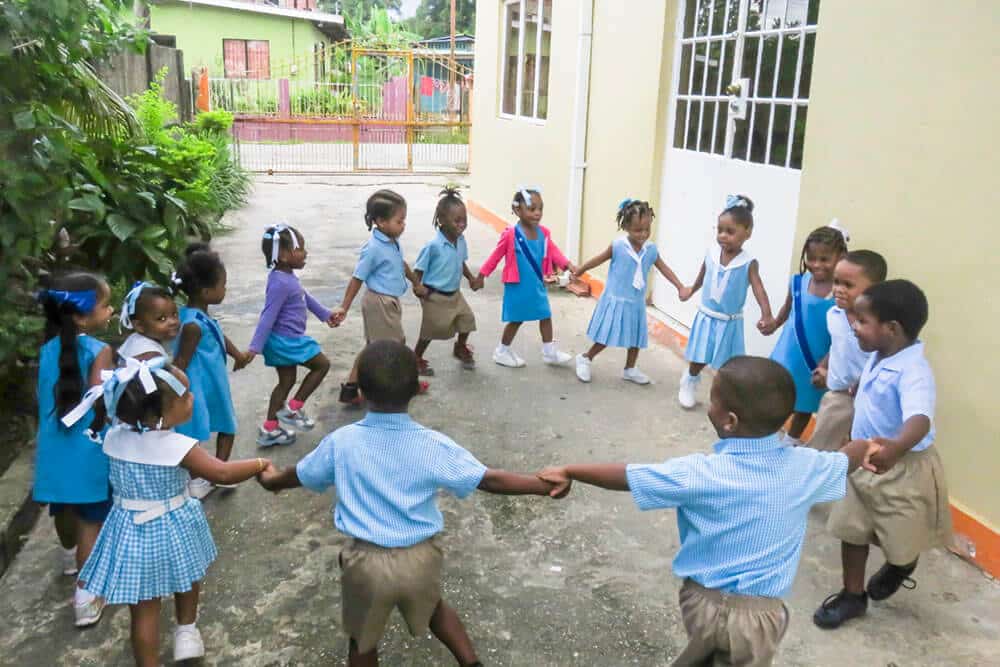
213, 403
619, 319
788, 351
156, 540
527, 300
717, 332
70, 468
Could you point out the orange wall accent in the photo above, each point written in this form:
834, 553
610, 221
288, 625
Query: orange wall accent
986, 541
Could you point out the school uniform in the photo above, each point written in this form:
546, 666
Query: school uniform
281, 331
619, 319
387, 470
905, 510
445, 310
716, 334
844, 366
526, 262
742, 514
137, 344
804, 341
382, 270
213, 410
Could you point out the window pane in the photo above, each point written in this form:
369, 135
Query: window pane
692, 131
722, 115
528, 82
727, 63
799, 139
805, 79
699, 69
701, 22
753, 15
768, 60
789, 60
680, 118
719, 15
741, 136
774, 14
543, 76
714, 53
779, 134
750, 46
707, 118
812, 17
734, 16
512, 18
758, 139
690, 9
234, 58
795, 15
684, 83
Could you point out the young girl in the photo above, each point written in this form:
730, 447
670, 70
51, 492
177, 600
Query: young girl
151, 314
155, 541
201, 354
71, 472
619, 320
529, 254
281, 335
382, 270
439, 268
717, 332
807, 340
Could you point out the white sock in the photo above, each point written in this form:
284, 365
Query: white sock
189, 626
549, 349
82, 597
501, 348
70, 552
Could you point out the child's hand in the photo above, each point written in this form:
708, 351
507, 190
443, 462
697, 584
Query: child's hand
819, 377
873, 448
241, 360
767, 325
420, 291
266, 477
885, 457
685, 293
573, 269
557, 477
332, 321
477, 283
337, 316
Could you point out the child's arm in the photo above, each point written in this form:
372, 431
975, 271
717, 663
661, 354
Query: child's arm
418, 288
766, 325
324, 314
859, 453
475, 282
190, 337
514, 484
667, 273
498, 253
274, 298
239, 358
593, 262
609, 476
686, 293
352, 290
275, 480
819, 375
558, 258
892, 449
104, 361
202, 464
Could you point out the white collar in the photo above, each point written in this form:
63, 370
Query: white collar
716, 284
158, 448
743, 258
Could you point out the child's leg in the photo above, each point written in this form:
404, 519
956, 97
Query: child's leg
87, 532
695, 368
355, 659
318, 367
224, 445
146, 632
631, 357
422, 344
463, 339
509, 331
798, 424
545, 328
447, 627
65, 523
594, 350
286, 380
853, 558
186, 605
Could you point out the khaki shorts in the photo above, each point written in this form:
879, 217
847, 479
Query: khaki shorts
383, 317
730, 629
905, 511
375, 580
833, 421
445, 315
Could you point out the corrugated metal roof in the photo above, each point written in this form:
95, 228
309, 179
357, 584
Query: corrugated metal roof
315, 17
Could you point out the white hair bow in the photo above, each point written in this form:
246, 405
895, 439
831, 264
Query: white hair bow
274, 233
526, 191
835, 224
128, 308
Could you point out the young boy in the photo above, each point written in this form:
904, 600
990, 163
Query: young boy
840, 370
387, 469
741, 512
903, 506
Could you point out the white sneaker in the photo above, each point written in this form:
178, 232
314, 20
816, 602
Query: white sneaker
69, 561
278, 436
687, 394
89, 613
200, 487
635, 375
582, 368
507, 358
188, 644
557, 358
296, 419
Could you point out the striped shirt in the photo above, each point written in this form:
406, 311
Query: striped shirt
741, 512
388, 469
892, 390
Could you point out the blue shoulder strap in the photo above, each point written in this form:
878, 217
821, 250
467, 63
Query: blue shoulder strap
211, 325
800, 325
523, 245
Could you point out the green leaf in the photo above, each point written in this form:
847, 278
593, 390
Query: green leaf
120, 226
90, 203
148, 197
152, 233
24, 120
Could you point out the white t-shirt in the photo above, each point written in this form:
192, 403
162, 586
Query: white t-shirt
137, 344
847, 359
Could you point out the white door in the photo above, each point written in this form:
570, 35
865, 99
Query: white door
769, 45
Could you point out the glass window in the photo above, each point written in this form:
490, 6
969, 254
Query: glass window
525, 68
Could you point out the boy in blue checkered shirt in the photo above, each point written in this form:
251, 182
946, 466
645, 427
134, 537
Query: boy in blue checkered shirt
387, 469
741, 512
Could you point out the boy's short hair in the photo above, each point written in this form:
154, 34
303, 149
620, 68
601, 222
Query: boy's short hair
899, 301
757, 390
387, 373
872, 264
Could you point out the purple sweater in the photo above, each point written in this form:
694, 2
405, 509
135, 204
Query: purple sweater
284, 313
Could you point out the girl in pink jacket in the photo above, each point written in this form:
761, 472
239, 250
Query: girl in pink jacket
529, 254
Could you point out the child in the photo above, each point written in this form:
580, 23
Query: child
150, 312
902, 507
619, 320
717, 331
382, 270
155, 541
439, 268
741, 512
387, 470
201, 354
529, 255
840, 370
281, 335
71, 472
807, 340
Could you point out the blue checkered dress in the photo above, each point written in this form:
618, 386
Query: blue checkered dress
164, 556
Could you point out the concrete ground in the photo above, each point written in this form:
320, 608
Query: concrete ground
585, 581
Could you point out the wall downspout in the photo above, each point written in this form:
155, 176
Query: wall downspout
578, 153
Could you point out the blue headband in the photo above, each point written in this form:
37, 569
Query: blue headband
625, 202
734, 201
128, 308
82, 300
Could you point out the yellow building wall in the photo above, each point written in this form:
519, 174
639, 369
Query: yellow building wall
900, 146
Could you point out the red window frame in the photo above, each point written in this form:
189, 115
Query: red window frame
246, 58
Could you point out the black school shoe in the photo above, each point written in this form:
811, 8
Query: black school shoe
889, 578
838, 608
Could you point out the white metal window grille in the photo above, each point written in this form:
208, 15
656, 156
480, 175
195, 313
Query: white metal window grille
770, 43
524, 71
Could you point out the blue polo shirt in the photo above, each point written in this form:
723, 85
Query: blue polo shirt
441, 262
380, 265
387, 469
891, 391
742, 511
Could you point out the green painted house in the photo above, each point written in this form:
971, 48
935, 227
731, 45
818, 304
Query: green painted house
246, 39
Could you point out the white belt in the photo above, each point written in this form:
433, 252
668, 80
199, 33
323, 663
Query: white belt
147, 510
716, 315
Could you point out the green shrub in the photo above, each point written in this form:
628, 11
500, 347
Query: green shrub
213, 122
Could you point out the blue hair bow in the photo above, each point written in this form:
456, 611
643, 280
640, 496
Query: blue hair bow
82, 300
274, 233
128, 308
625, 202
115, 382
732, 201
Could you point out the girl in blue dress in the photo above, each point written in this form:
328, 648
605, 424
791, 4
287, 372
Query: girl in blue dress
805, 340
155, 541
201, 353
71, 473
717, 331
619, 320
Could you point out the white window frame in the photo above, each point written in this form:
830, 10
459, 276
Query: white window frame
545, 25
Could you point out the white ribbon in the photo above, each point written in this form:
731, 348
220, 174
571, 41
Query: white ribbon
835, 224
638, 278
113, 384
128, 308
526, 191
274, 233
